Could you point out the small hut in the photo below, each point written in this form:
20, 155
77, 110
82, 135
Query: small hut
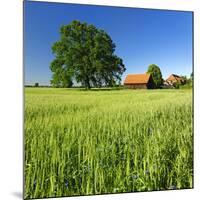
139, 81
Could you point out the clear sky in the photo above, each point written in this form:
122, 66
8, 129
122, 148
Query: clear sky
142, 37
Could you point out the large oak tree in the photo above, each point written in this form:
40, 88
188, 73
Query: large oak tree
85, 54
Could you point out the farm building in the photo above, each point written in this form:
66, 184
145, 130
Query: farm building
173, 78
139, 81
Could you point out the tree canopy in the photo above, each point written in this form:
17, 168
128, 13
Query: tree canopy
85, 54
156, 74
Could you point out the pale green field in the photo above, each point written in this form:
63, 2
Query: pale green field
94, 142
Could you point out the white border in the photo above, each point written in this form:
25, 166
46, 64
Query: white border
11, 85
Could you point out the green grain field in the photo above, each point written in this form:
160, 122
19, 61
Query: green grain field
109, 141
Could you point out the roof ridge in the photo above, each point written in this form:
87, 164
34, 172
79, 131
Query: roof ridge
175, 75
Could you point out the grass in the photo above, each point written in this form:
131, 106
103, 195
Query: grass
93, 142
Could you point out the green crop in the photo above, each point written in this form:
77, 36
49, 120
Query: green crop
93, 142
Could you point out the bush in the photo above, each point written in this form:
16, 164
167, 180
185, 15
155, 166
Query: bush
176, 85
36, 84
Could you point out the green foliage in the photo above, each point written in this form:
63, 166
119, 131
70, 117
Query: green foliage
176, 85
109, 142
188, 82
186, 86
61, 76
36, 85
156, 74
85, 54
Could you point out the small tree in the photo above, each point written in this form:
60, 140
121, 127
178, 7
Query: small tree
191, 79
191, 76
36, 84
156, 74
176, 85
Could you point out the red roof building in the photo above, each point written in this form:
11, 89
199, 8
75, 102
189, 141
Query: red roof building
138, 81
173, 78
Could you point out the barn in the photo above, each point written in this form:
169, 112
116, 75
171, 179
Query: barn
139, 81
173, 78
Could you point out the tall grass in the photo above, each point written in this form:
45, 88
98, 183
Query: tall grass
93, 142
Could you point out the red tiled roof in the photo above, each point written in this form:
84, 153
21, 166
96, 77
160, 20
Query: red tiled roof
137, 79
174, 77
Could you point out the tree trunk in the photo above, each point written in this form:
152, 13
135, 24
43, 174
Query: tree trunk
87, 83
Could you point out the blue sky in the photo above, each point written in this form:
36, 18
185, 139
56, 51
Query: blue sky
142, 36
